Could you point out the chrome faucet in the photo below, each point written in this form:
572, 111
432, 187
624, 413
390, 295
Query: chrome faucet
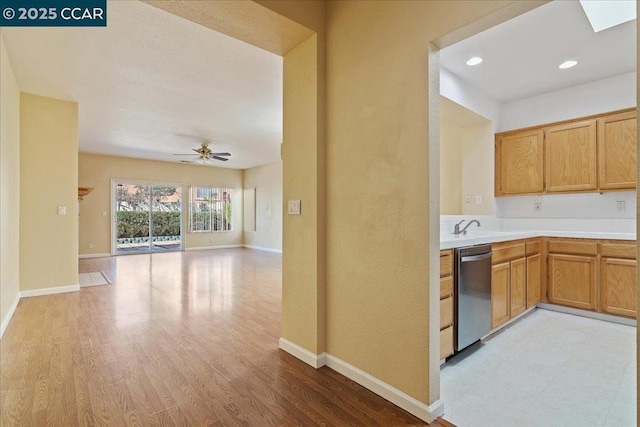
456, 229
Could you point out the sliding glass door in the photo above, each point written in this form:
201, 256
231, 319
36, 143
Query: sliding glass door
148, 217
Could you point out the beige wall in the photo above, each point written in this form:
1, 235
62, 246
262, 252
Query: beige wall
48, 180
267, 180
450, 169
303, 265
97, 171
477, 159
9, 185
466, 160
378, 182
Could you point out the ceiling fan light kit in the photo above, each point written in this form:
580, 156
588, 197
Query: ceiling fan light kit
205, 155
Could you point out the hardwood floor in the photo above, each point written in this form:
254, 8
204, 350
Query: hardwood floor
186, 338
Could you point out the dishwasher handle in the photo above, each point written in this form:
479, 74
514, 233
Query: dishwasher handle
470, 258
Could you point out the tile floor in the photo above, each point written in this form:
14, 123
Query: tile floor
548, 369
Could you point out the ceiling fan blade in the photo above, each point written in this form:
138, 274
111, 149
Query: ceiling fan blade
220, 154
185, 161
182, 154
197, 150
220, 158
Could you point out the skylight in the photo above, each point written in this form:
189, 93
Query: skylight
607, 14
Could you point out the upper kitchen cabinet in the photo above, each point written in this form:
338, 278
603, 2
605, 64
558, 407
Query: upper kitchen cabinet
596, 153
571, 157
519, 163
617, 151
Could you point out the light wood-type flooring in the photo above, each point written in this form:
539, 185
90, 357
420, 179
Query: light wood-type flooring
185, 338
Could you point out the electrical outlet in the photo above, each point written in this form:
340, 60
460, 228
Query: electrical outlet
537, 206
621, 205
467, 198
90, 245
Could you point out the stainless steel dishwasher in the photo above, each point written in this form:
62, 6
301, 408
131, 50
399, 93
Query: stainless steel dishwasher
472, 295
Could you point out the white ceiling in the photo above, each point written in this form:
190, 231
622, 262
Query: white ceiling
152, 84
521, 56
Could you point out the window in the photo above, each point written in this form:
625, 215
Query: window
210, 209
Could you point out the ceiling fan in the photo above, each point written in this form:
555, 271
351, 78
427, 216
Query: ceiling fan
205, 155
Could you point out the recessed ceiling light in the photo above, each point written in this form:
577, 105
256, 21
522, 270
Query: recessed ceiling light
567, 64
607, 14
474, 61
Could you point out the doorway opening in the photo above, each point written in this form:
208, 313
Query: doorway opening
147, 217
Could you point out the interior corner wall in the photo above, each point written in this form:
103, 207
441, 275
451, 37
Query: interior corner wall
267, 180
477, 168
378, 183
9, 188
303, 269
97, 170
48, 181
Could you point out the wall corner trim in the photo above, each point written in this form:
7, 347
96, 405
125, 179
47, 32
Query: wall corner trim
314, 360
81, 256
7, 318
49, 291
428, 413
260, 248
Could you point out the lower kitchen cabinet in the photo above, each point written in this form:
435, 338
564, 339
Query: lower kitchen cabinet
572, 280
534, 265
446, 303
518, 287
499, 294
618, 286
446, 342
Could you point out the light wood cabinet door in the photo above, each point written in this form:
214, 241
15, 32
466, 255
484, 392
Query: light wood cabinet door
572, 280
533, 279
570, 157
617, 151
518, 287
618, 286
520, 163
446, 342
500, 275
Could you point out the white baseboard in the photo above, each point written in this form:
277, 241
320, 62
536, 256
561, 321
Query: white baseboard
589, 314
94, 255
9, 315
208, 248
49, 291
428, 413
260, 248
315, 360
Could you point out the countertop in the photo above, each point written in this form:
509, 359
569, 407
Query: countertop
449, 240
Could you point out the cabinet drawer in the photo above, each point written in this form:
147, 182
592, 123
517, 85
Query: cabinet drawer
446, 342
502, 252
573, 247
446, 312
618, 250
533, 247
446, 263
446, 286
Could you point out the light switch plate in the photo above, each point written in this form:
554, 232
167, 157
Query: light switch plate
62, 210
294, 207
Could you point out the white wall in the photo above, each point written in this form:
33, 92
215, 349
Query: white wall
9, 188
601, 96
267, 180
